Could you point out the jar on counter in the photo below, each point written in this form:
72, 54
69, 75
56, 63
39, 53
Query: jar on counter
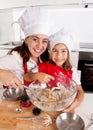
25, 101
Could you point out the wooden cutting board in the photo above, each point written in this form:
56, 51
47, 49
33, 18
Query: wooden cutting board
8, 117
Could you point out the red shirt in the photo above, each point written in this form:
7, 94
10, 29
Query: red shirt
57, 72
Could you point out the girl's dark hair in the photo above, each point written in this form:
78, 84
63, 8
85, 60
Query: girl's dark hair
25, 53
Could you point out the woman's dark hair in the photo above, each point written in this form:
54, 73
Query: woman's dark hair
45, 56
25, 53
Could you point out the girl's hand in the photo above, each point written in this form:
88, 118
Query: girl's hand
78, 100
8, 78
44, 78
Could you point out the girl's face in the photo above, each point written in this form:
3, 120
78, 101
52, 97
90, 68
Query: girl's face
37, 44
59, 54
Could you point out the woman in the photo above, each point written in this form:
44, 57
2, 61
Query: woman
25, 58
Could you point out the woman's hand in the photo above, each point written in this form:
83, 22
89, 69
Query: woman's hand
8, 78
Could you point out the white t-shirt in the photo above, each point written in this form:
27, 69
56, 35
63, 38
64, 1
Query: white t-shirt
14, 63
75, 76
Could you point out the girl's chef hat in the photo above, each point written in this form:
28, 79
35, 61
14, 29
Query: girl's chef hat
61, 37
35, 20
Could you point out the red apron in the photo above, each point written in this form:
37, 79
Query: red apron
57, 72
25, 71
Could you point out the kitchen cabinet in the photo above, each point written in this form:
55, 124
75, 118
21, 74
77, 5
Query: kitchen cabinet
78, 2
88, 1
6, 30
5, 4
78, 21
52, 2
4, 51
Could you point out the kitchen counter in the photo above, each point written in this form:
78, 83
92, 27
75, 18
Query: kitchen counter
86, 109
8, 115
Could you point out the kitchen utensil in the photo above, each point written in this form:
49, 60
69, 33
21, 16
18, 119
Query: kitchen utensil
56, 98
25, 101
12, 93
36, 111
69, 121
91, 122
1, 93
45, 119
18, 110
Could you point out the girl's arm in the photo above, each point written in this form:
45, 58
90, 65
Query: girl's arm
40, 76
78, 100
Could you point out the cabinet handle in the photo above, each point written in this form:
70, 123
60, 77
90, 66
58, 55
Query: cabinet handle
91, 65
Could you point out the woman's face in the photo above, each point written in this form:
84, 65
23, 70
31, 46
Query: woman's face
59, 54
37, 44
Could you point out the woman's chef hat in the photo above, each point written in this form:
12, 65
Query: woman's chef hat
61, 37
35, 20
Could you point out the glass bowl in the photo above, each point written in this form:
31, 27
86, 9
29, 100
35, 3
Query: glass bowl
56, 98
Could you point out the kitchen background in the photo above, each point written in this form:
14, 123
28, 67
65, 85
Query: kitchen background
75, 15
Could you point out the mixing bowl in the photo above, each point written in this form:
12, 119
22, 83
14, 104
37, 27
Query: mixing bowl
56, 98
70, 121
12, 93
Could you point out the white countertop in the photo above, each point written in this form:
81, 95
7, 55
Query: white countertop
86, 109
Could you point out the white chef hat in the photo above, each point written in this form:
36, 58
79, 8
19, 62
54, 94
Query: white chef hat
61, 37
35, 20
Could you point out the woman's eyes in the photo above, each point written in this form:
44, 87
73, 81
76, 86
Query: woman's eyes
45, 41
37, 40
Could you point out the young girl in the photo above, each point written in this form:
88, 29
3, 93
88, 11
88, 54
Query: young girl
59, 48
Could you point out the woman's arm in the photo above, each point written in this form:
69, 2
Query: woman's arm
11, 70
8, 78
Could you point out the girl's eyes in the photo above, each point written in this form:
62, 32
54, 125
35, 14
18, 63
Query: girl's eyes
62, 51
54, 51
